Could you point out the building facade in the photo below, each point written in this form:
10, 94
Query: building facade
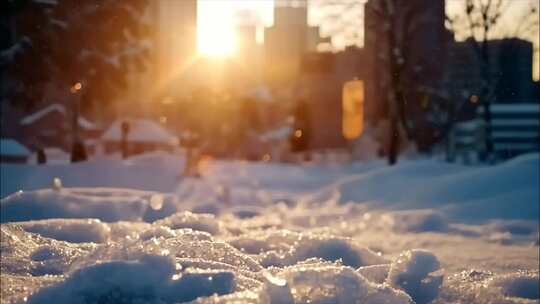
509, 75
286, 42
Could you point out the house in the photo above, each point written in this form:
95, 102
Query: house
51, 127
144, 135
11, 151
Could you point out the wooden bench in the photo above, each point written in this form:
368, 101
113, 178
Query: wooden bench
514, 129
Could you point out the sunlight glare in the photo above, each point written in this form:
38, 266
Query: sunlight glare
215, 29
216, 40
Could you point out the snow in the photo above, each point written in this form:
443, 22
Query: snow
12, 148
453, 189
70, 230
133, 231
411, 270
106, 204
161, 170
150, 279
140, 130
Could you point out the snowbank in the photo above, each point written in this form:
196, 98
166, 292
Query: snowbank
106, 204
459, 191
155, 172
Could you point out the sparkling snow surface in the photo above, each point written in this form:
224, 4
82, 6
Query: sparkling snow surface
423, 231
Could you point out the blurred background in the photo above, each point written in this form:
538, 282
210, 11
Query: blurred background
269, 80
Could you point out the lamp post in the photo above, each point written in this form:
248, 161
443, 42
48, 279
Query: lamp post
78, 152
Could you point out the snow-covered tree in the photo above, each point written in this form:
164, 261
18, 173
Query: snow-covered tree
81, 47
94, 43
25, 31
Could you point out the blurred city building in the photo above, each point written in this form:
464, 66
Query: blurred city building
287, 41
510, 70
248, 58
323, 75
424, 52
173, 45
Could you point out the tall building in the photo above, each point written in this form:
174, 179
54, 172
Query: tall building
509, 74
248, 57
287, 41
175, 39
172, 42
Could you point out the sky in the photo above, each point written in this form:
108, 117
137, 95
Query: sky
217, 19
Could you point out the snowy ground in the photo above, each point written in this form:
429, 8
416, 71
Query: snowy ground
110, 231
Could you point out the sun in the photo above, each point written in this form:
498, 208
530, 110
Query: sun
215, 28
216, 40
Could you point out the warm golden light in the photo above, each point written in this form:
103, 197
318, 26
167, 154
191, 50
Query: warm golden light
76, 87
216, 40
353, 109
215, 29
217, 20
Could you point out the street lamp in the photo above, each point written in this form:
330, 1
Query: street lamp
78, 151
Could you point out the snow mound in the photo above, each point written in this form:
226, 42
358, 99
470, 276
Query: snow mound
285, 248
155, 172
375, 273
417, 221
337, 284
518, 285
201, 222
157, 232
106, 204
411, 272
70, 230
477, 286
509, 189
26, 253
150, 279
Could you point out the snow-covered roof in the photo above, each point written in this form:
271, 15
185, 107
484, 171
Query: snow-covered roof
12, 147
140, 130
30, 119
86, 124
55, 107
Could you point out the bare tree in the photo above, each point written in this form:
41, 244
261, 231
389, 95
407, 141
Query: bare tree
395, 24
481, 19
